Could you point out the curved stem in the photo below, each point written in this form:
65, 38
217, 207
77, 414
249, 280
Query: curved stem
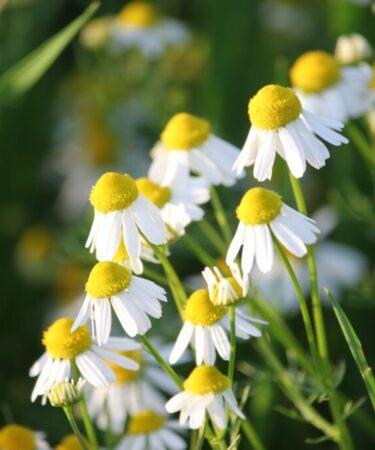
232, 358
72, 421
212, 235
204, 257
252, 436
164, 365
220, 215
301, 299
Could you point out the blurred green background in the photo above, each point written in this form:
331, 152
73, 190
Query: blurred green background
240, 46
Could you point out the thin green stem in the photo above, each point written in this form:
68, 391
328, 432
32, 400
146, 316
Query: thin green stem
164, 365
232, 358
212, 235
301, 299
252, 436
155, 276
178, 292
72, 421
315, 292
365, 148
203, 256
220, 215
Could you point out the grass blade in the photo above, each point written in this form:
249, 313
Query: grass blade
355, 347
23, 75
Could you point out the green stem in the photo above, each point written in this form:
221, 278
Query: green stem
164, 365
155, 276
199, 251
174, 282
252, 436
213, 236
301, 299
367, 151
72, 421
220, 215
315, 293
232, 359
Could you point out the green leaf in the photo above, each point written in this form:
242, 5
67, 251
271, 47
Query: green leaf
22, 76
355, 347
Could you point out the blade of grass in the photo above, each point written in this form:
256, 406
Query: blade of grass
23, 75
355, 347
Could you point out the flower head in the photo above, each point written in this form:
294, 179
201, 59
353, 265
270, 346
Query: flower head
66, 393
352, 49
138, 14
206, 379
69, 442
185, 132
16, 437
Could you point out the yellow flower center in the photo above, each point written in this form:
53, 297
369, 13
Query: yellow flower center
125, 375
315, 71
138, 14
158, 195
273, 107
16, 437
145, 422
106, 279
35, 243
185, 132
69, 442
61, 343
258, 206
199, 309
122, 254
113, 192
206, 379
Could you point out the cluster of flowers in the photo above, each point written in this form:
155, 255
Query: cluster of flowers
137, 219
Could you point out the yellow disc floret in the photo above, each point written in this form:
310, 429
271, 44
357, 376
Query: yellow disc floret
236, 295
138, 14
199, 309
273, 107
158, 195
185, 132
205, 379
69, 442
106, 279
61, 343
121, 255
145, 422
258, 206
315, 71
16, 437
125, 375
113, 192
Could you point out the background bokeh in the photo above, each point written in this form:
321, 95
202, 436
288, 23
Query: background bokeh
116, 106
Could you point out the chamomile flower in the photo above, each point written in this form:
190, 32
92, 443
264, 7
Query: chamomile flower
132, 298
69, 442
326, 89
352, 49
15, 437
132, 392
178, 199
280, 125
187, 141
206, 326
261, 213
205, 390
65, 348
122, 213
148, 429
139, 25
226, 290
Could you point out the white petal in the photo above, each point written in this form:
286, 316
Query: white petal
182, 342
263, 248
94, 370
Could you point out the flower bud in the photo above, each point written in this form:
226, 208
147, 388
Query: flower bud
66, 393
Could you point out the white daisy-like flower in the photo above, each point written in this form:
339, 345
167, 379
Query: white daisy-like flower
280, 125
261, 213
139, 25
65, 349
132, 298
14, 436
122, 213
178, 199
206, 327
149, 429
326, 89
352, 49
132, 392
187, 141
226, 290
205, 390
